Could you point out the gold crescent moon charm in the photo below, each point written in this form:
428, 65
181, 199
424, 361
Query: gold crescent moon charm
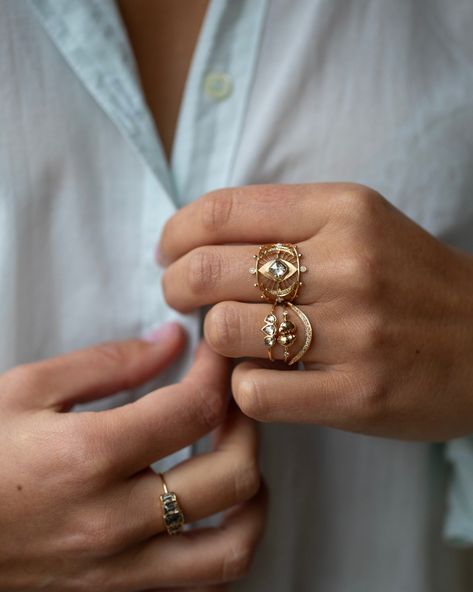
308, 333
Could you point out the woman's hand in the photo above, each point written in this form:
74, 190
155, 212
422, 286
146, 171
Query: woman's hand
391, 307
79, 506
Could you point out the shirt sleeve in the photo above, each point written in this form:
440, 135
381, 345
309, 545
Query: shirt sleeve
458, 527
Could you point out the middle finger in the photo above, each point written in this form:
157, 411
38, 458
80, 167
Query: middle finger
212, 274
205, 485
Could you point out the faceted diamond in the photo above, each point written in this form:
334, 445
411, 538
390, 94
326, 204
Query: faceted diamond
279, 269
286, 327
270, 318
286, 339
172, 519
269, 330
269, 341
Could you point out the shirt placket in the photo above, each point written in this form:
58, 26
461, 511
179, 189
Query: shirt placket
215, 97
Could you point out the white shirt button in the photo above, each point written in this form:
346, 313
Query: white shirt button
217, 86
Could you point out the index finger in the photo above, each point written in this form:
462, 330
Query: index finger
251, 214
135, 435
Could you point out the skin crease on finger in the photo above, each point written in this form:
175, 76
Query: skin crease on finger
391, 307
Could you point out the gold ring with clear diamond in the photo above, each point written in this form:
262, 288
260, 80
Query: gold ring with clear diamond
278, 272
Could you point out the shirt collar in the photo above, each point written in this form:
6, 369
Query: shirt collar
91, 37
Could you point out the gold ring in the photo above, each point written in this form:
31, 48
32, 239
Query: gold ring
173, 517
278, 272
285, 332
270, 330
308, 334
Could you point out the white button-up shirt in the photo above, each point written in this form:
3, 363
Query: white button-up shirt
375, 92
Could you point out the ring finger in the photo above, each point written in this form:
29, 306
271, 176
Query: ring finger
208, 556
234, 330
205, 485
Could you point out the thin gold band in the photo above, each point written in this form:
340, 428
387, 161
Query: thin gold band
308, 334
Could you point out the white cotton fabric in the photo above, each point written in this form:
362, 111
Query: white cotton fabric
375, 92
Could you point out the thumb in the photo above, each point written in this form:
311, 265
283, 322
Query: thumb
99, 371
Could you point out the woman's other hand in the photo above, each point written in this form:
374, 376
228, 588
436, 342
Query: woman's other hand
79, 505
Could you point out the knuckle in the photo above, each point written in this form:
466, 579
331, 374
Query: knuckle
366, 271
83, 464
110, 353
216, 210
222, 327
204, 270
25, 376
363, 397
374, 334
94, 536
115, 357
246, 480
79, 454
92, 539
359, 201
213, 406
370, 406
237, 561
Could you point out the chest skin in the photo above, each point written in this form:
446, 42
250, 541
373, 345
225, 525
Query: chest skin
163, 35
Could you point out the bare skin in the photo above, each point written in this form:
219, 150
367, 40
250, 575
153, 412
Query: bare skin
163, 35
391, 305
80, 507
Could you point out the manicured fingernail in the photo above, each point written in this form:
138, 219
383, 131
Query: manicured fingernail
166, 331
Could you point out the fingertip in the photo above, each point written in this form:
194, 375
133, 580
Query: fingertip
166, 342
248, 393
172, 332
